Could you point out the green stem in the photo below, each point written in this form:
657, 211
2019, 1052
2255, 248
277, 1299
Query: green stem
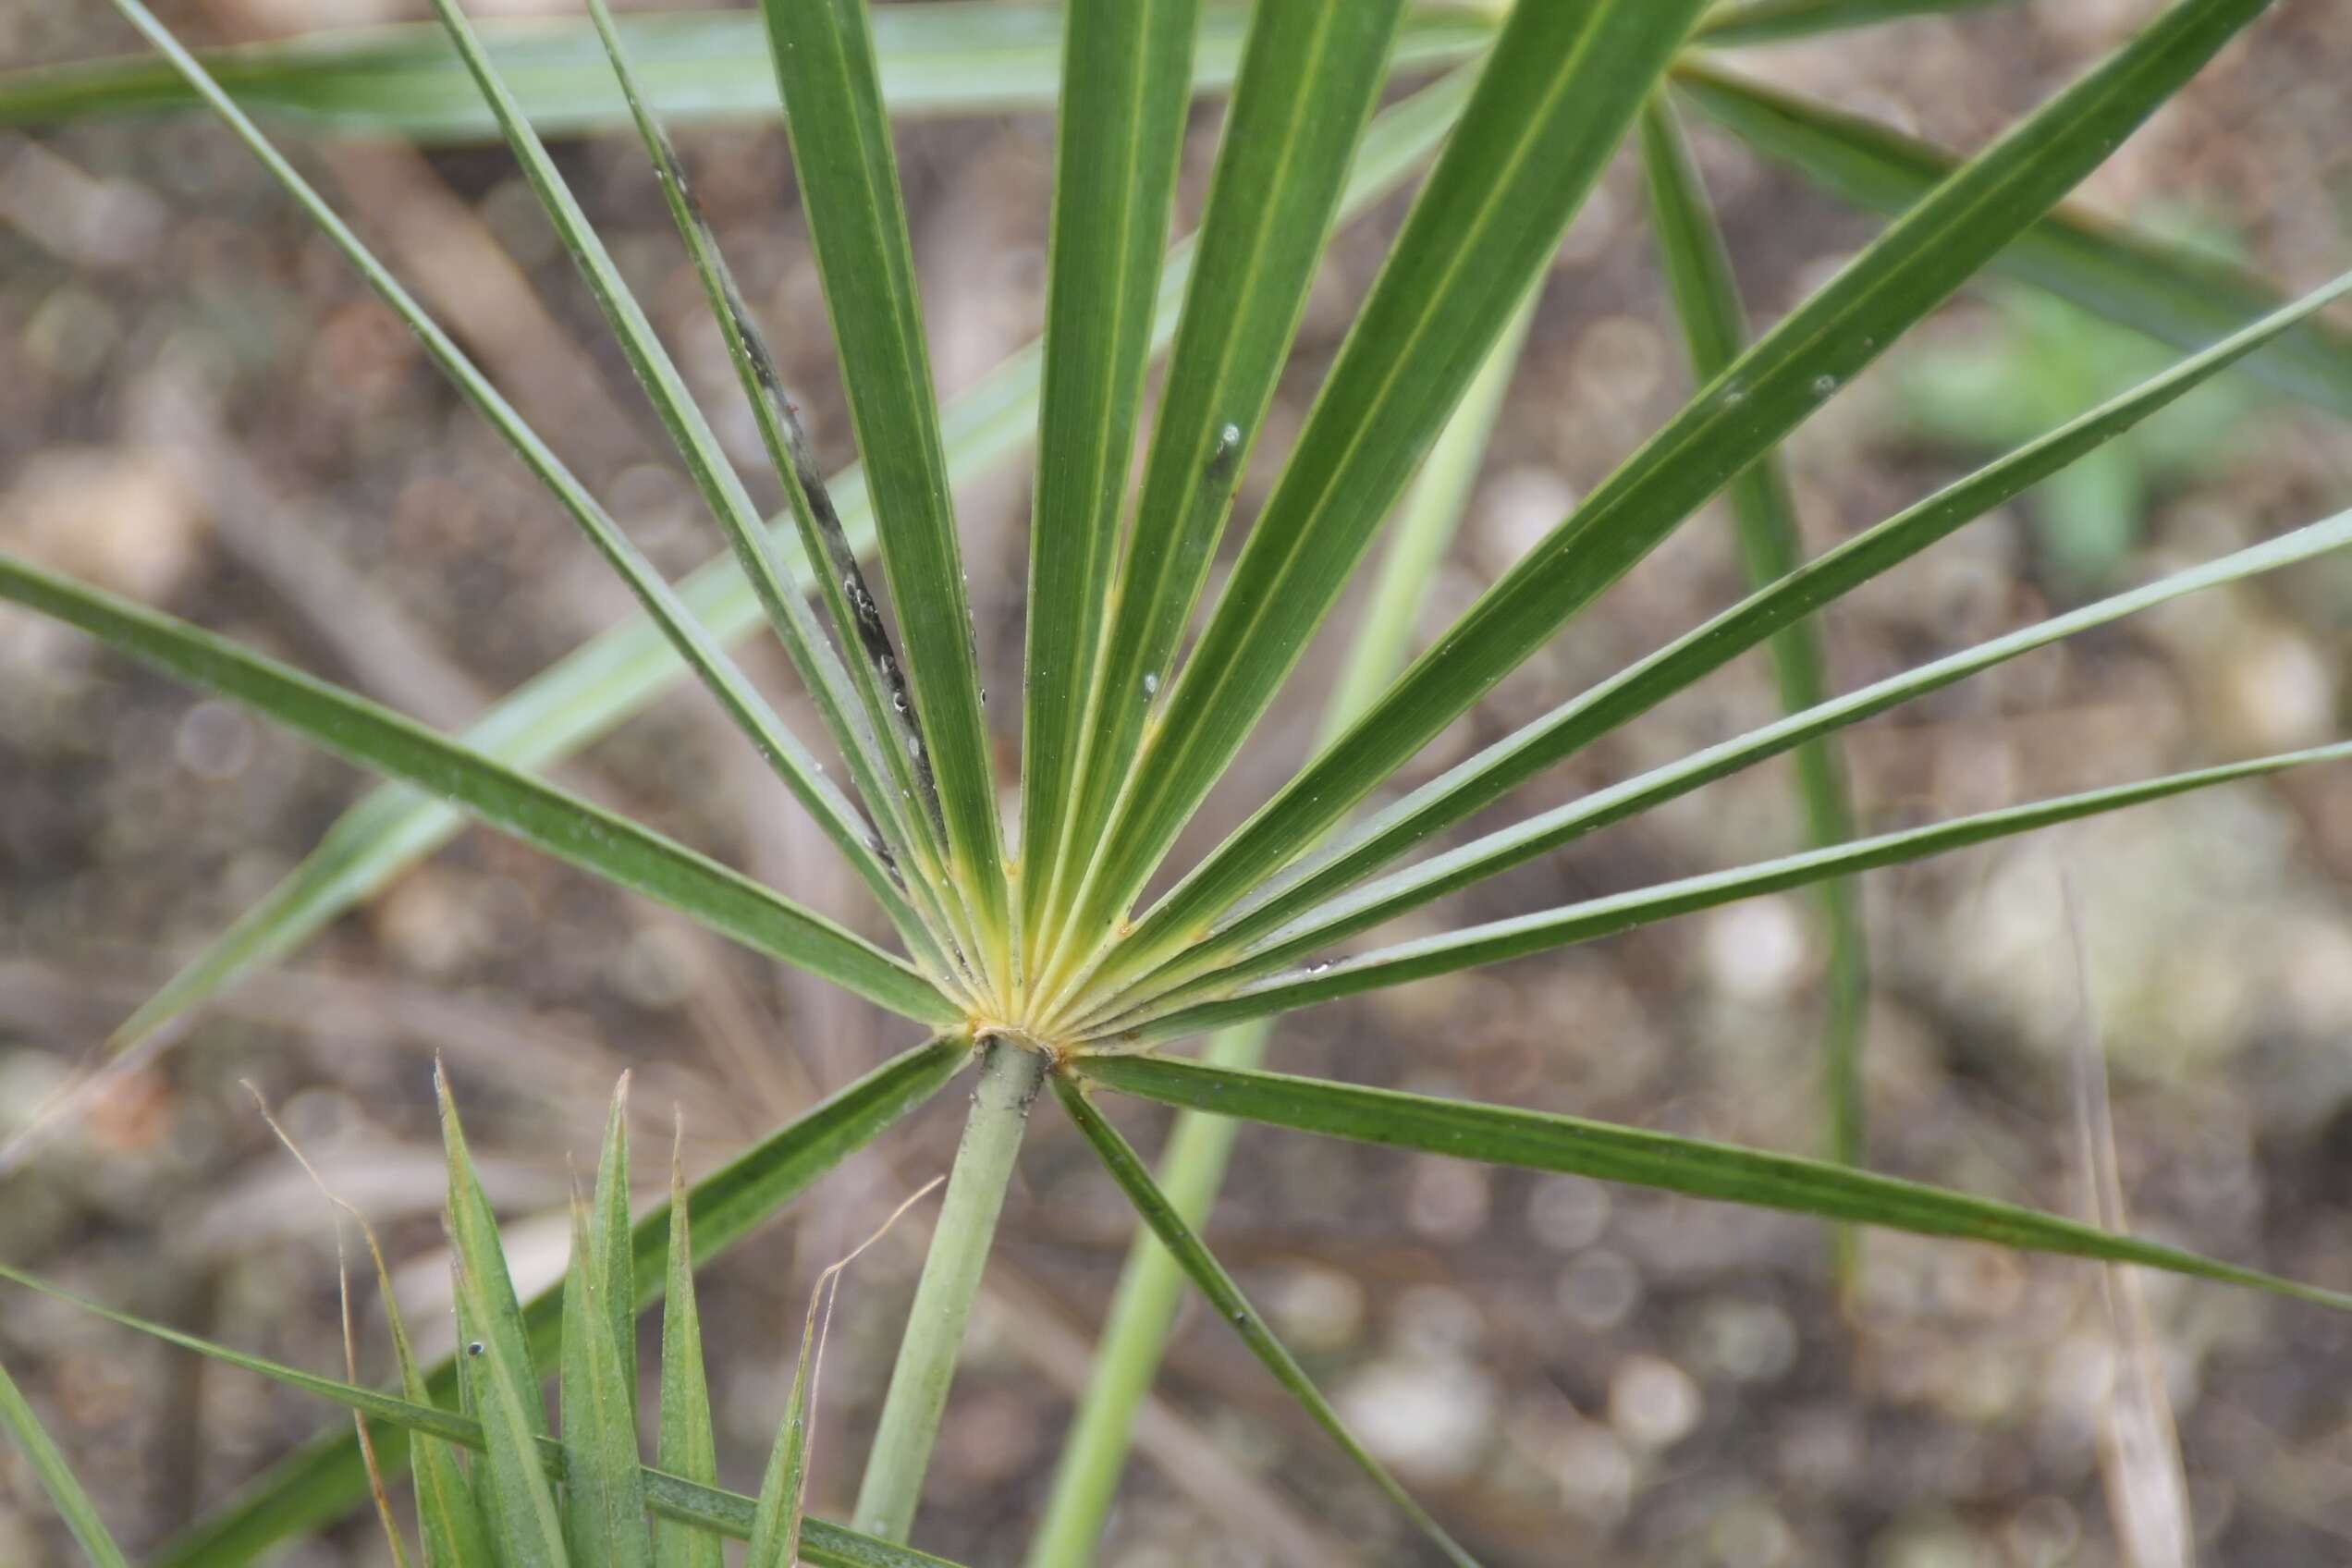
1010, 1078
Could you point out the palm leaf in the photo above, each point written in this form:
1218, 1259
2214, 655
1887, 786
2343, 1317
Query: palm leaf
2172, 292
1714, 324
588, 692
1484, 779
799, 771
1135, 1180
539, 814
1560, 88
1594, 918
883, 751
1124, 70
940, 58
1537, 1140
1310, 78
849, 189
1739, 417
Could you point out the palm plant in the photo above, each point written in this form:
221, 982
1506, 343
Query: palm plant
1028, 950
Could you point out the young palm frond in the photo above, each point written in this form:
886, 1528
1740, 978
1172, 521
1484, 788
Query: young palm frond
1031, 952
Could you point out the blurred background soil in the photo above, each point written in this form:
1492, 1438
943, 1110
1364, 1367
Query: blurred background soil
200, 405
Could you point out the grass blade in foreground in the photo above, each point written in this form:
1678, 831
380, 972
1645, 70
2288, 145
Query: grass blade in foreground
849, 188
685, 1447
1557, 93
1714, 324
58, 1477
698, 68
1595, 918
588, 691
539, 814
604, 1492
1135, 1181
1484, 779
1538, 1141
318, 1483
504, 1382
1120, 134
1773, 389
1143, 1310
1309, 80
711, 1513
2165, 289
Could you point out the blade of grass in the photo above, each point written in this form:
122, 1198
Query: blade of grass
1310, 78
589, 691
506, 1385
703, 67
706, 1509
849, 189
884, 752
1226, 1297
603, 1495
1484, 779
612, 1260
1125, 64
1714, 323
1561, 87
1538, 1141
1497, 940
539, 814
799, 769
58, 1479
2169, 291
319, 1481
1774, 21
1772, 388
604, 1499
775, 1533
1095, 1448
450, 1524
686, 1447
892, 1486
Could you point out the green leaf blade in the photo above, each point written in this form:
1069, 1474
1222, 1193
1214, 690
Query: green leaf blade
320, 1481
686, 1446
2169, 291
1310, 79
1559, 91
822, 51
586, 694
701, 68
1135, 1180
1707, 304
569, 828
1540, 1141
1125, 66
58, 1479
1772, 388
